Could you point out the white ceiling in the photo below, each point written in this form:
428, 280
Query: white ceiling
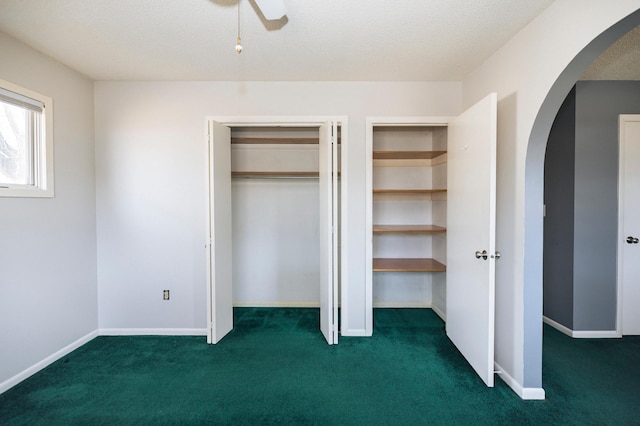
368, 40
327, 40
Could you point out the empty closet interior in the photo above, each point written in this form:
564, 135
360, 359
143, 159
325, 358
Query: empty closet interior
275, 191
408, 215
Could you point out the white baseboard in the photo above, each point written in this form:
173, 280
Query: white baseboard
355, 332
523, 393
317, 305
152, 332
586, 334
596, 334
401, 305
9, 383
439, 312
533, 394
276, 304
561, 328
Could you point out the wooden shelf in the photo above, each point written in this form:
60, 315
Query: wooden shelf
292, 174
277, 141
408, 191
407, 265
409, 158
408, 229
407, 155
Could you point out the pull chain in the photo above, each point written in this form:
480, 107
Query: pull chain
238, 43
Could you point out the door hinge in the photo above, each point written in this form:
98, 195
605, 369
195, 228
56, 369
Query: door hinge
208, 242
335, 329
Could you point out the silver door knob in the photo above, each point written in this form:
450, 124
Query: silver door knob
632, 240
482, 254
496, 256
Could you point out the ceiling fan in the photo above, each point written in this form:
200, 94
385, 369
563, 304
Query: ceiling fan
271, 9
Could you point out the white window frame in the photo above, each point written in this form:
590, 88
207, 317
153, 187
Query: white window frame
43, 152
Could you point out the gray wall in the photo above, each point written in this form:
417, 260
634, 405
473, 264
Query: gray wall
559, 172
597, 107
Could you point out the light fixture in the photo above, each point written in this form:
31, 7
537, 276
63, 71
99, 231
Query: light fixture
238, 44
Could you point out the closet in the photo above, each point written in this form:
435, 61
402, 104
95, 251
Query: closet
430, 222
274, 208
409, 214
275, 216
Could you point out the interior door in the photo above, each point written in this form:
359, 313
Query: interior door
219, 234
629, 223
328, 236
471, 253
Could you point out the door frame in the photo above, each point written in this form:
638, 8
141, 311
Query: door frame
282, 121
371, 122
622, 120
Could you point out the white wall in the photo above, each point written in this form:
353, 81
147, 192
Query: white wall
151, 179
534, 70
276, 242
406, 289
275, 225
48, 296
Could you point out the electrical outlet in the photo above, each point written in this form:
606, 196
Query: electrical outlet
165, 294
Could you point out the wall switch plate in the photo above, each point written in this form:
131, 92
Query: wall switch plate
165, 294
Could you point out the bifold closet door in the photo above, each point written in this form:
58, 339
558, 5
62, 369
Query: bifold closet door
328, 232
219, 241
220, 237
471, 251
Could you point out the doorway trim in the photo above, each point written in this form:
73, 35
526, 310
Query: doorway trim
284, 121
622, 143
371, 123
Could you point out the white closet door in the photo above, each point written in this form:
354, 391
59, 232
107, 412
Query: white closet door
471, 200
328, 237
220, 241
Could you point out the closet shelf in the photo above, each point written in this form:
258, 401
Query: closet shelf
407, 155
408, 191
408, 229
274, 174
407, 265
280, 141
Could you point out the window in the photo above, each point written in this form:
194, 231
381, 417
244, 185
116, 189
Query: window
26, 143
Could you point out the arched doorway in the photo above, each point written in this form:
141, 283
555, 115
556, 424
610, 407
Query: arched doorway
534, 172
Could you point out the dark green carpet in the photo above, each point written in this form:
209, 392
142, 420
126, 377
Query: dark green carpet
275, 368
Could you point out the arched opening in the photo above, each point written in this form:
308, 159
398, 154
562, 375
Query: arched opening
534, 192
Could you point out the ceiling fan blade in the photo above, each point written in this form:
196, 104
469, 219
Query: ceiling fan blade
272, 9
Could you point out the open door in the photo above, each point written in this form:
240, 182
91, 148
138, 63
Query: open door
219, 240
328, 232
471, 252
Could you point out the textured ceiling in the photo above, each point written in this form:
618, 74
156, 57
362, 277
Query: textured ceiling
621, 61
318, 40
